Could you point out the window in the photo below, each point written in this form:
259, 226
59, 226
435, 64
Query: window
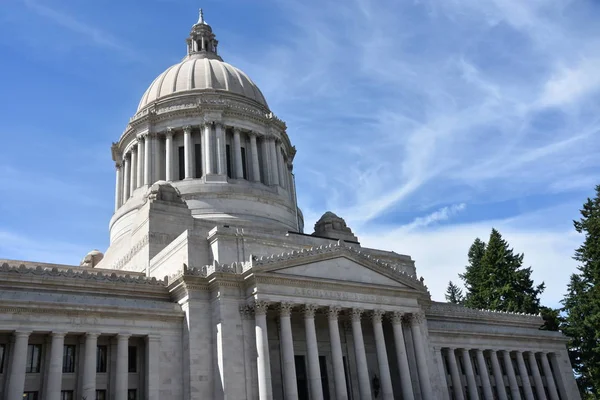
301, 377
132, 394
2, 351
30, 395
34, 356
132, 359
181, 163
228, 159
101, 358
324, 378
101, 394
66, 395
347, 375
198, 159
244, 168
69, 358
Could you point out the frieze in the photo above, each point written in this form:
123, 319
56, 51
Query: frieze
331, 294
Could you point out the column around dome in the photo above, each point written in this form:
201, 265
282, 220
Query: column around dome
254, 156
133, 172
169, 154
147, 158
237, 154
140, 161
208, 155
274, 169
126, 177
221, 149
118, 185
187, 150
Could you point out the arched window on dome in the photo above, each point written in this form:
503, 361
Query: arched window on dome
198, 45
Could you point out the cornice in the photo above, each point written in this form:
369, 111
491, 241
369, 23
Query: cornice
445, 310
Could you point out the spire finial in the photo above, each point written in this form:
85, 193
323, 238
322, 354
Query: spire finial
201, 17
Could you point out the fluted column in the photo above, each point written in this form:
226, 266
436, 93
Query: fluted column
139, 179
16, 382
384, 367
237, 154
500, 388
133, 172
281, 166
417, 335
118, 186
312, 353
122, 372
153, 367
510, 373
187, 152
254, 155
537, 378
550, 384
169, 155
336, 354
208, 150
221, 152
263, 364
471, 383
126, 177
154, 162
484, 375
147, 159
364, 382
274, 169
401, 357
89, 365
457, 386
54, 377
525, 383
287, 351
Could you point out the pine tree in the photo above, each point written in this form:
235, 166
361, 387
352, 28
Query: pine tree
582, 302
473, 276
454, 294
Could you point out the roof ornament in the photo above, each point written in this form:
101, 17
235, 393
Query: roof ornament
201, 18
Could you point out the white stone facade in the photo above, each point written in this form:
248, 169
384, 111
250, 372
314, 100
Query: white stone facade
210, 290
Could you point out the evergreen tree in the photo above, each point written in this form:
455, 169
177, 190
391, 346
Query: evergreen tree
454, 294
582, 302
473, 276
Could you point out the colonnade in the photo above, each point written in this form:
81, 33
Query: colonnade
54, 369
314, 374
501, 365
252, 156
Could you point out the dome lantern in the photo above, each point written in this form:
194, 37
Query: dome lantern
202, 41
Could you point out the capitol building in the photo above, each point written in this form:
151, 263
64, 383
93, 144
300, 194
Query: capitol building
211, 289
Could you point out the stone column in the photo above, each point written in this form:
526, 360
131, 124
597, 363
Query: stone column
237, 154
273, 167
549, 377
290, 387
147, 159
510, 373
281, 166
254, 155
89, 365
312, 353
154, 160
384, 367
336, 354
265, 391
208, 144
187, 152
525, 383
417, 336
118, 186
169, 176
537, 378
133, 173
140, 161
153, 367
54, 377
457, 386
401, 357
126, 177
471, 383
122, 371
498, 376
364, 383
16, 381
484, 375
221, 153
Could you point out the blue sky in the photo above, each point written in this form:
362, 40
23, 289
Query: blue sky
423, 123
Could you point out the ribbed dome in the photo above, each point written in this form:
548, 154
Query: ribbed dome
201, 73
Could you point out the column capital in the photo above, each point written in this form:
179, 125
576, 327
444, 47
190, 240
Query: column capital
261, 307
134, 148
246, 311
187, 129
58, 334
357, 314
237, 130
141, 136
123, 336
333, 312
285, 309
170, 131
118, 165
396, 317
377, 315
417, 318
92, 335
22, 334
153, 337
310, 310
252, 134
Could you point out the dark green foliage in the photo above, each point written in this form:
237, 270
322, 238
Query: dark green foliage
454, 294
582, 302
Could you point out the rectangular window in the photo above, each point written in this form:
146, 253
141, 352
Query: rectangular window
30, 395
347, 374
301, 378
66, 395
101, 359
228, 159
2, 352
198, 159
34, 357
324, 378
101, 394
132, 359
181, 162
69, 358
132, 394
244, 167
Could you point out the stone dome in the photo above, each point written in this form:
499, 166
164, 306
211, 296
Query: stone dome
201, 73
